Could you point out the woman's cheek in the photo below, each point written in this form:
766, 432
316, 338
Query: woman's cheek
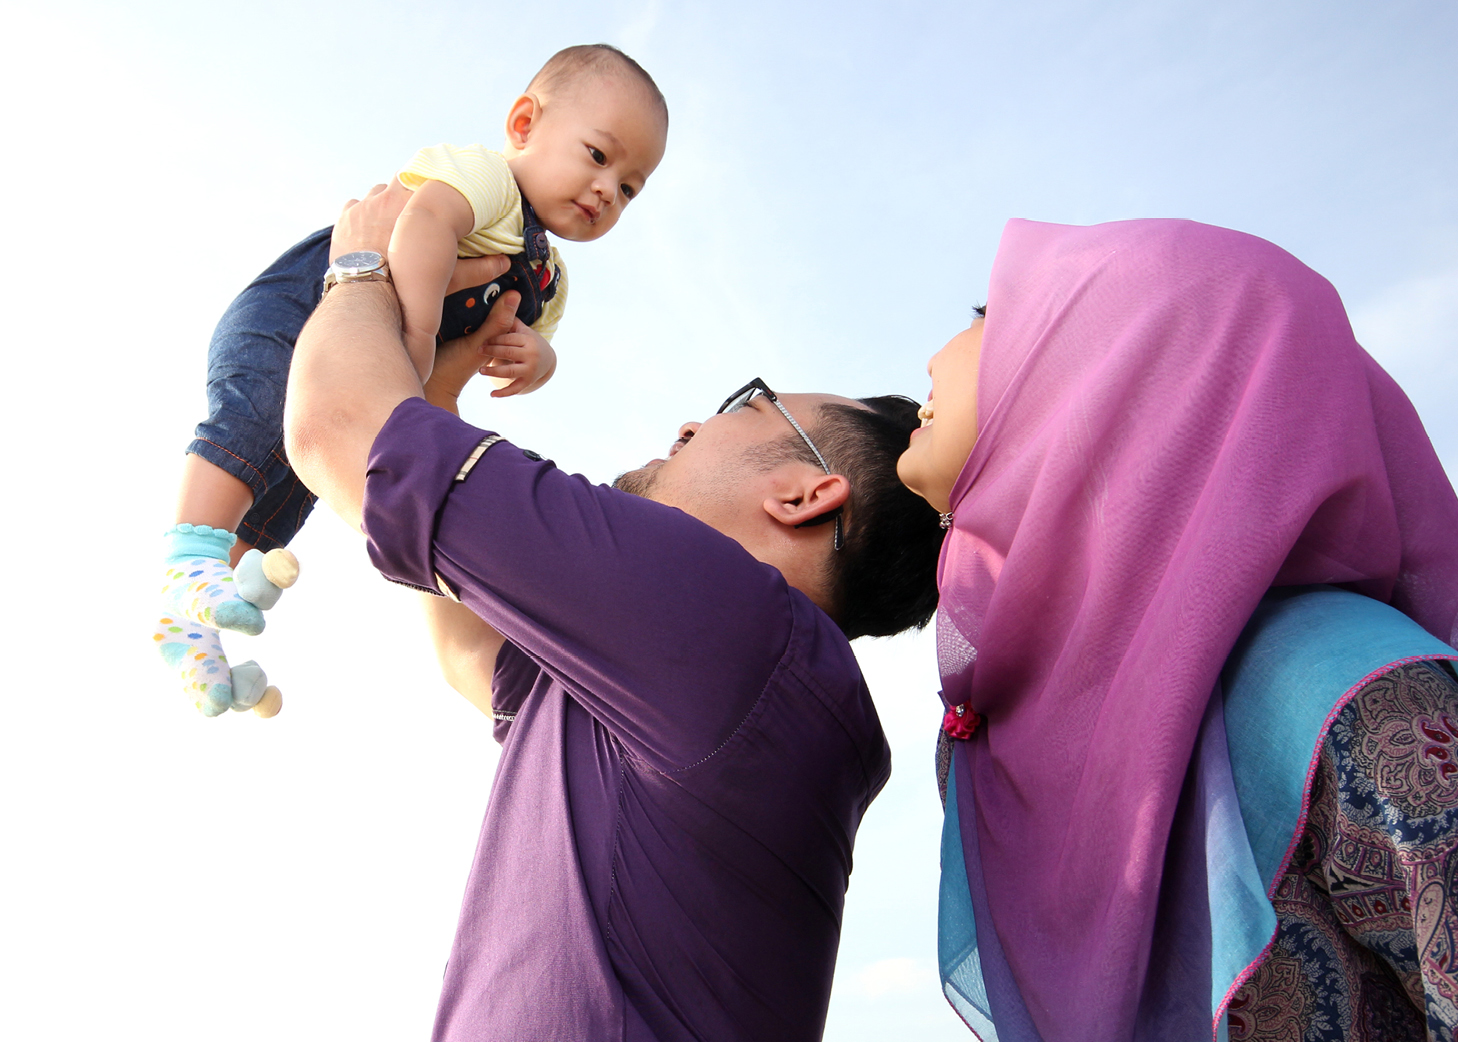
908, 466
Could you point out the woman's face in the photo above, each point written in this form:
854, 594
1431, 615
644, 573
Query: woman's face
930, 465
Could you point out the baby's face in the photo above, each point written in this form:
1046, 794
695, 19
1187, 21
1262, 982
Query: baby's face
587, 154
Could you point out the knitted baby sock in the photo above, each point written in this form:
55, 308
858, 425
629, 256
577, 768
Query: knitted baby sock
196, 653
199, 584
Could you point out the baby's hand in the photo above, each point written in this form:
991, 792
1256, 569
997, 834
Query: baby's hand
456, 361
522, 361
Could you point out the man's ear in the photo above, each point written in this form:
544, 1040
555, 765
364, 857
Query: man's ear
799, 503
523, 116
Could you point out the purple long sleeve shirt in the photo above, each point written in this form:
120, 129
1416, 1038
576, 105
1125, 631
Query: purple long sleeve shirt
688, 747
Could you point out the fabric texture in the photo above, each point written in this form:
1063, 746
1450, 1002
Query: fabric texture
484, 178
198, 582
1368, 933
688, 749
196, 653
1174, 418
248, 371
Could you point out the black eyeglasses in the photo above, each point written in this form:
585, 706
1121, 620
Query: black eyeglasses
742, 397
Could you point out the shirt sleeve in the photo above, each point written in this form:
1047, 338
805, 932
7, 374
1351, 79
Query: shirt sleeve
512, 679
661, 627
479, 174
552, 311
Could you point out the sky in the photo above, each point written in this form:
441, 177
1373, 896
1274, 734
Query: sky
836, 181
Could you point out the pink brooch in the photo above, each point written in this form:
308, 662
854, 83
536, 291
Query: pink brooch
961, 721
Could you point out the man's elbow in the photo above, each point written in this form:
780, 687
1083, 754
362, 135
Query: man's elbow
308, 437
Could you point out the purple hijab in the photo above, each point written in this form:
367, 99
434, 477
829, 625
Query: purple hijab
1174, 418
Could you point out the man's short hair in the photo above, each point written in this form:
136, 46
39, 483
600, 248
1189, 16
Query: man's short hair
884, 580
572, 64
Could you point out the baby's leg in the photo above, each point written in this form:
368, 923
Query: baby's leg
210, 496
197, 654
198, 583
236, 460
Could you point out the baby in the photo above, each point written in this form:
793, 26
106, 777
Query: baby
580, 143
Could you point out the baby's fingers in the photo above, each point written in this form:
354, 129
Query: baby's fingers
517, 386
504, 369
510, 346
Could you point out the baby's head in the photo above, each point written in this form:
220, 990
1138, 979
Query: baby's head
583, 139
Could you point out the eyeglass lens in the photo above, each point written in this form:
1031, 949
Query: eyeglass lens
740, 400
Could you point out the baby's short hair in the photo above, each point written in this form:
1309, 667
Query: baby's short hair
571, 64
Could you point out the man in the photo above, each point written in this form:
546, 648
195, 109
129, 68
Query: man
688, 744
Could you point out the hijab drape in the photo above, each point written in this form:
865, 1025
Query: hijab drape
1174, 418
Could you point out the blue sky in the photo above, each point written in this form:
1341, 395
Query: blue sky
836, 180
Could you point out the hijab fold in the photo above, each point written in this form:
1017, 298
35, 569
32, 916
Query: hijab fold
1175, 418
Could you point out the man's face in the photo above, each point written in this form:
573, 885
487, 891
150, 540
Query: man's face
587, 154
715, 470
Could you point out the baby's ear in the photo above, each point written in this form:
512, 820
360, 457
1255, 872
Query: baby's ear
521, 118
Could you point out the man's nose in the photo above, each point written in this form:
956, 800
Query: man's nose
684, 434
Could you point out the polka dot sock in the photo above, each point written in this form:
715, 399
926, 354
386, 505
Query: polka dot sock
195, 651
198, 585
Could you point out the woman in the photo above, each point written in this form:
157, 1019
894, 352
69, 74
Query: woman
1161, 422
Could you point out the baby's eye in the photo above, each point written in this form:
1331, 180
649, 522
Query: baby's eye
597, 156
628, 190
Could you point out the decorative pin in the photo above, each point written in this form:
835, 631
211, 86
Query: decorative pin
945, 519
961, 721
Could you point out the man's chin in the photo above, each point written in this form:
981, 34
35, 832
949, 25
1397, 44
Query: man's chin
638, 482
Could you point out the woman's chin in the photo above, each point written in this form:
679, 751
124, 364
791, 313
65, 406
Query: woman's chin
915, 477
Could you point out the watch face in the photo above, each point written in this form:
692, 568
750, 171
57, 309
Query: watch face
358, 262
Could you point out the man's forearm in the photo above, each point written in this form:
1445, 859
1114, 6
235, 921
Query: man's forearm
349, 371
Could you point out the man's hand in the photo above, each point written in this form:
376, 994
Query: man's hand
368, 223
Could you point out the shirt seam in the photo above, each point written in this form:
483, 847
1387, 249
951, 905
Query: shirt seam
823, 698
617, 849
780, 663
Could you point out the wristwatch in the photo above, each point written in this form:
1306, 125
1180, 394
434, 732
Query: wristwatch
359, 266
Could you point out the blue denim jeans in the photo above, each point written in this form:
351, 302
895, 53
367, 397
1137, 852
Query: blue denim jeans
248, 369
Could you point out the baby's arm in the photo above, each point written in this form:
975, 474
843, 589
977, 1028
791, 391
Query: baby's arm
422, 257
526, 359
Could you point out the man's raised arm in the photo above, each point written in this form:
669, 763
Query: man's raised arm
350, 369
349, 372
